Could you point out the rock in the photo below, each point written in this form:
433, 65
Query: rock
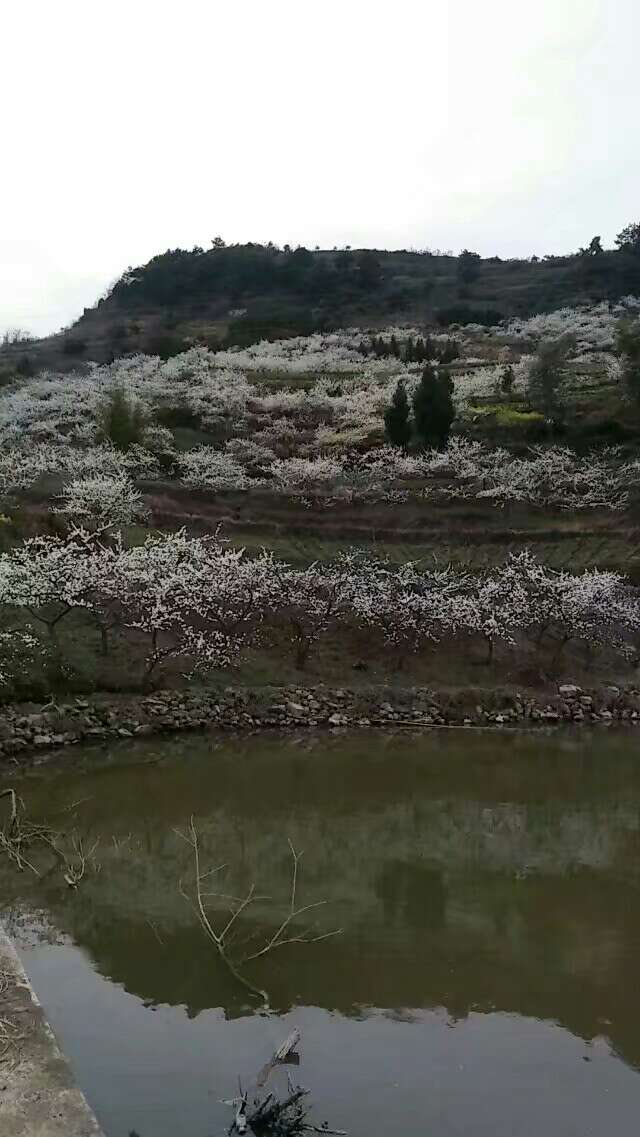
124, 733
295, 709
586, 701
35, 720
569, 691
336, 720
42, 740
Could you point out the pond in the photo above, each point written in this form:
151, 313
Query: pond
487, 888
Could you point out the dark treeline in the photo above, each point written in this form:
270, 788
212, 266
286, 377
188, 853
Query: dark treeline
410, 350
326, 283
238, 271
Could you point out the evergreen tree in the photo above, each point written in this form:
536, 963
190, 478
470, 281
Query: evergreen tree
629, 239
429, 350
449, 351
395, 350
507, 379
547, 375
433, 409
397, 427
409, 351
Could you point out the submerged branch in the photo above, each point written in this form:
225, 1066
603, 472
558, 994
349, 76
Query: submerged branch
220, 938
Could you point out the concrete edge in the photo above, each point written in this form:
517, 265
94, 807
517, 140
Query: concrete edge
38, 1094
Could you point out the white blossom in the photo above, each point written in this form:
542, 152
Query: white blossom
103, 500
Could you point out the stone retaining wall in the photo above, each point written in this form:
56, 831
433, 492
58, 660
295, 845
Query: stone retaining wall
25, 730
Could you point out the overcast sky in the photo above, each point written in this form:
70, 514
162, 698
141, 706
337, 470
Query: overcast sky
132, 126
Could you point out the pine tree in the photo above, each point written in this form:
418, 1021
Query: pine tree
409, 350
433, 409
393, 344
397, 427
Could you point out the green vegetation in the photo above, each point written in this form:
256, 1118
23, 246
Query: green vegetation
433, 409
547, 376
505, 414
628, 346
122, 420
396, 418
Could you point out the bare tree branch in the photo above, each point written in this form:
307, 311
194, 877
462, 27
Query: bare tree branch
221, 938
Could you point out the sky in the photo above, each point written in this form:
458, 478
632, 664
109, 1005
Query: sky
503, 126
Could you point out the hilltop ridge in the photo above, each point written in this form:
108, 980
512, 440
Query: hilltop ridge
234, 295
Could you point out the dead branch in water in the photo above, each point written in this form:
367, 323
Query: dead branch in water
18, 836
220, 938
270, 1117
279, 939
76, 869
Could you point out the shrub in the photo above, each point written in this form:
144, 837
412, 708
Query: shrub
122, 420
628, 348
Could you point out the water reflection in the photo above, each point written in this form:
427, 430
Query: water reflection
470, 873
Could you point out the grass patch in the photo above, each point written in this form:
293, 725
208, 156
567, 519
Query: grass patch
505, 414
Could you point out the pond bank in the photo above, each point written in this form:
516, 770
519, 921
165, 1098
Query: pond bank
37, 1091
25, 730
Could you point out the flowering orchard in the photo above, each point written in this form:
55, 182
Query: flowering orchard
306, 415
196, 601
593, 327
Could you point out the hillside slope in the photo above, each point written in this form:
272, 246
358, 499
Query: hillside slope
236, 295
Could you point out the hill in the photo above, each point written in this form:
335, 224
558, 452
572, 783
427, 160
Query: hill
253, 490
239, 294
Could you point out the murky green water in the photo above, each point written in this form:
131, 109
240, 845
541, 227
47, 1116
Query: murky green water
487, 885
